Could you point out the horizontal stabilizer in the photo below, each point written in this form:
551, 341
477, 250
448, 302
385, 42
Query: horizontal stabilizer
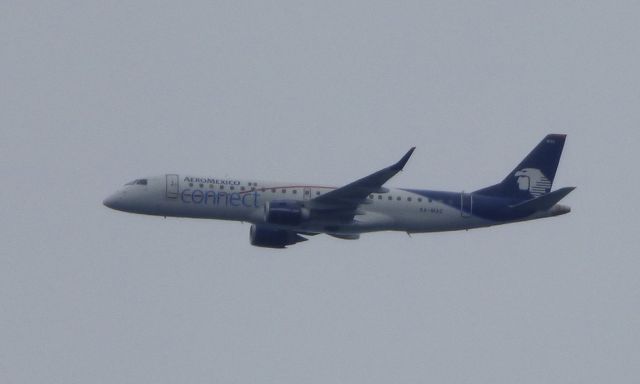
543, 202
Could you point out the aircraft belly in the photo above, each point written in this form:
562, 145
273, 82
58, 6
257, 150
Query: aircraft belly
438, 217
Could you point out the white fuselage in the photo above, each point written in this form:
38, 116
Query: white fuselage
245, 200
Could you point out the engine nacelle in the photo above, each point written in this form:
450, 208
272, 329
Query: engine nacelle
285, 212
273, 238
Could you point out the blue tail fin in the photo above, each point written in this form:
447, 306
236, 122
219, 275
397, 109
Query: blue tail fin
533, 177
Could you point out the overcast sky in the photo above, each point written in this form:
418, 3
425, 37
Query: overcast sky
94, 94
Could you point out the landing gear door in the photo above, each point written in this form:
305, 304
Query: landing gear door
466, 204
172, 186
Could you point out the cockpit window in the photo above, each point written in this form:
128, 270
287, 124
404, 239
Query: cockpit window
138, 182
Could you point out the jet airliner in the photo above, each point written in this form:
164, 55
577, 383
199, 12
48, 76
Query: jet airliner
283, 214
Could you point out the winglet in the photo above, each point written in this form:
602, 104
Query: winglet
400, 164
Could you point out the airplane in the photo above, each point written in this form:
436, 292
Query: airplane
283, 214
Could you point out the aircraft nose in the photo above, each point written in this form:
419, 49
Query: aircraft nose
113, 201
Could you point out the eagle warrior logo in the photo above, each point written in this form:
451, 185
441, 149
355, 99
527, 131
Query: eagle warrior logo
533, 180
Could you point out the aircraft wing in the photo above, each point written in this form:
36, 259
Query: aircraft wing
348, 197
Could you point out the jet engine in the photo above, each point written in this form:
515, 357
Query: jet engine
285, 212
273, 238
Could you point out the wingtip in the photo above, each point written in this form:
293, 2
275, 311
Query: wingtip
400, 164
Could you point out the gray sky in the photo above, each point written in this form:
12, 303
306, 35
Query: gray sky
96, 94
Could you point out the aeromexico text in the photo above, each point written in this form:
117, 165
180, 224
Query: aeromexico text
248, 199
210, 181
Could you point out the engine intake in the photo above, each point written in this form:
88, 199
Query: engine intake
273, 238
285, 212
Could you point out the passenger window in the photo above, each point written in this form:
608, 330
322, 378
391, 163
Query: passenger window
399, 198
273, 190
284, 190
295, 191
408, 199
242, 188
420, 199
210, 186
379, 197
390, 198
371, 196
201, 185
231, 188
222, 187
191, 184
